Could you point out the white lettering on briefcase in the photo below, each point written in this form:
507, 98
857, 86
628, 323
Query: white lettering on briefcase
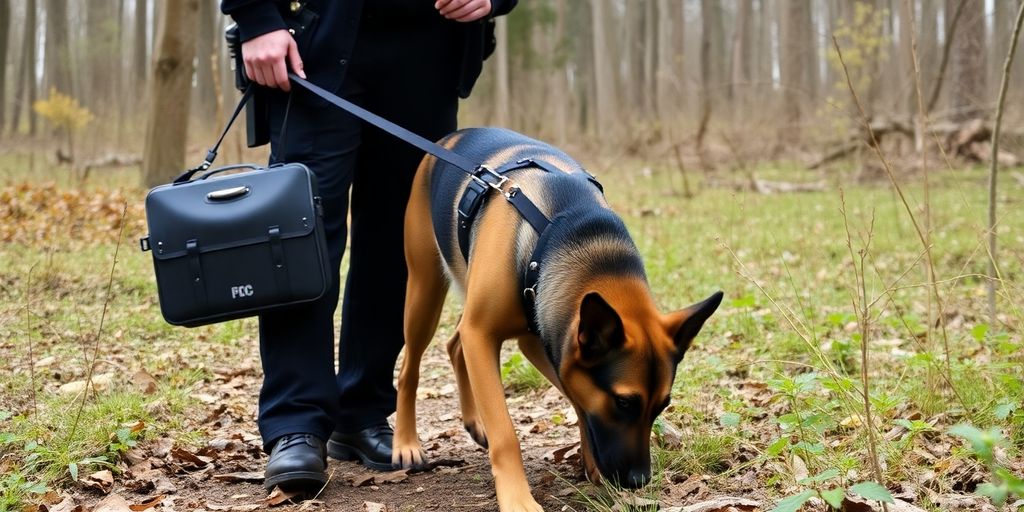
238, 292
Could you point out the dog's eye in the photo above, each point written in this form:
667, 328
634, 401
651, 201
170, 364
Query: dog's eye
627, 403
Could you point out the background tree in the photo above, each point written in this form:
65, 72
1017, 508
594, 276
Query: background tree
5, 29
169, 94
58, 48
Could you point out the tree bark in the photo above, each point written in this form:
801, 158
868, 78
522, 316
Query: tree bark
969, 68
167, 120
102, 52
793, 72
139, 42
739, 83
58, 48
5, 29
25, 94
604, 77
205, 100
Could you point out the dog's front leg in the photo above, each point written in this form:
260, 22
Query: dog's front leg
481, 350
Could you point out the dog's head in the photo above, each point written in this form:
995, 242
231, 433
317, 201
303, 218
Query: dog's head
619, 373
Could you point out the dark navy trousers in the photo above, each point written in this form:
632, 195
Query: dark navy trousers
406, 70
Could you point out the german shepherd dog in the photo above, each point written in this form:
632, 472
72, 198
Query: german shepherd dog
597, 335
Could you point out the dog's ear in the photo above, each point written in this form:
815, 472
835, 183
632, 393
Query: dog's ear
683, 325
600, 330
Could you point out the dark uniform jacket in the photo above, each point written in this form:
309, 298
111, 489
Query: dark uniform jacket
326, 31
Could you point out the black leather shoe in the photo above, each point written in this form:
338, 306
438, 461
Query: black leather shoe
371, 446
297, 462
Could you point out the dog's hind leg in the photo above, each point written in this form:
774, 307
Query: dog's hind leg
424, 299
532, 348
467, 402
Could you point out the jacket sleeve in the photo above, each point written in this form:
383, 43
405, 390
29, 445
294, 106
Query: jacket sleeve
254, 17
502, 7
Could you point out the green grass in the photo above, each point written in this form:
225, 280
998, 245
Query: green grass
776, 373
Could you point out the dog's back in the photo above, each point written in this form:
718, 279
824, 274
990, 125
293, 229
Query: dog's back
552, 192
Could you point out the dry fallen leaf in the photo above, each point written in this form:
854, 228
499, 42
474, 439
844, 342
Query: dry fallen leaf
559, 454
144, 382
112, 503
279, 496
102, 481
858, 504
147, 504
720, 504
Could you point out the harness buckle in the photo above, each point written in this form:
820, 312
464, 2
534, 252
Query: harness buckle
486, 176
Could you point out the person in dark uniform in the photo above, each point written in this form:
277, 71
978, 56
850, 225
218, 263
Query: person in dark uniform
408, 61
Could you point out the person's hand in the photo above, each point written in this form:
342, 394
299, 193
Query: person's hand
463, 10
265, 55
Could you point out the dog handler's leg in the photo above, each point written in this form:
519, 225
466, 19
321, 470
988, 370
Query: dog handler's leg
467, 403
424, 299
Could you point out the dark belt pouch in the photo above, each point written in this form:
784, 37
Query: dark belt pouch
236, 245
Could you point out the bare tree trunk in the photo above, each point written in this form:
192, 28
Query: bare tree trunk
793, 72
557, 78
707, 16
650, 41
740, 75
5, 29
25, 94
502, 108
101, 52
604, 77
969, 68
139, 41
664, 76
952, 14
167, 121
58, 47
204, 95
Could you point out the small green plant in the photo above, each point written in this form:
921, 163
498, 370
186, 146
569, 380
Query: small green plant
822, 485
519, 375
984, 443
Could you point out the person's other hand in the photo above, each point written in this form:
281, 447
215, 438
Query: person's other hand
265, 55
463, 10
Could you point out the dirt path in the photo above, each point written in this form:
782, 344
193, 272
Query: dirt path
225, 471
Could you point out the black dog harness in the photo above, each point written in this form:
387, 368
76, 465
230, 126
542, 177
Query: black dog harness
483, 181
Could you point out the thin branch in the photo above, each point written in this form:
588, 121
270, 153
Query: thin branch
994, 169
99, 329
950, 32
899, 190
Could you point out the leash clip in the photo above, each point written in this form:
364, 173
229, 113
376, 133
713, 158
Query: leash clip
486, 176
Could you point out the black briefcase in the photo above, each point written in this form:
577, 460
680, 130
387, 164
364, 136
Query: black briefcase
236, 245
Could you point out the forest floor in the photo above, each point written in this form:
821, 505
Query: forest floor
767, 408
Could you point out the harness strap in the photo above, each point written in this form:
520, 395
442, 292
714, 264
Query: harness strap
483, 181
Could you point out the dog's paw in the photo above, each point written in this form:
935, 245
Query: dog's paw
520, 504
407, 455
476, 431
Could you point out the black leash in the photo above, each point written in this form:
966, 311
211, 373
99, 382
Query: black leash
483, 180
